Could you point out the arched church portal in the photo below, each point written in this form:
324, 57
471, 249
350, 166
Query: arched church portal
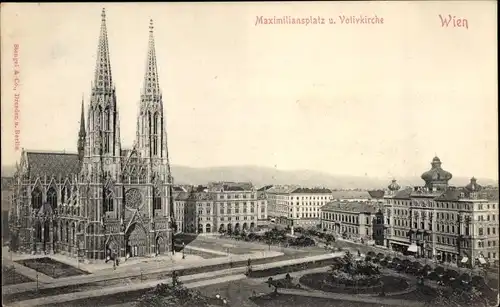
160, 245
136, 241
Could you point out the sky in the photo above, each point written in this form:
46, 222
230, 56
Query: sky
357, 99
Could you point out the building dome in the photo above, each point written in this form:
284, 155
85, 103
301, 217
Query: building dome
436, 173
394, 186
473, 186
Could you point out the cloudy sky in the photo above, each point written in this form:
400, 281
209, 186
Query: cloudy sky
360, 99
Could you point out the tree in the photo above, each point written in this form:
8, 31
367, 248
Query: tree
175, 279
273, 283
170, 295
460, 298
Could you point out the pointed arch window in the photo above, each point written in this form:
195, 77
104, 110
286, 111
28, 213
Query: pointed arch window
38, 232
155, 145
36, 198
155, 124
63, 194
156, 199
98, 118
149, 122
52, 197
108, 200
106, 142
67, 232
68, 192
107, 119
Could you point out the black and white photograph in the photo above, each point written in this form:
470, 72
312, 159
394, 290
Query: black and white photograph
250, 154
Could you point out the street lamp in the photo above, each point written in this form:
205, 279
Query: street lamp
183, 246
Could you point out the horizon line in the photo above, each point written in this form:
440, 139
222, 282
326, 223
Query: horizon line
311, 170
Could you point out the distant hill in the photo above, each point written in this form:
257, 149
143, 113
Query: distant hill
261, 176
266, 175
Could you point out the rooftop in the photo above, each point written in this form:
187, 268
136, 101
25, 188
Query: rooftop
282, 189
265, 188
52, 164
230, 186
359, 207
351, 194
312, 191
296, 189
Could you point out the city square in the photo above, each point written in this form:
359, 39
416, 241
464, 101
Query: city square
254, 189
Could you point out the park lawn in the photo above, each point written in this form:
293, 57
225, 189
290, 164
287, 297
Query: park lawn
51, 267
271, 300
11, 277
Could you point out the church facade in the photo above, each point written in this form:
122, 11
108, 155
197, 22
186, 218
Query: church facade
104, 200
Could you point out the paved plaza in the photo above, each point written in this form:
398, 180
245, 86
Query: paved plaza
105, 286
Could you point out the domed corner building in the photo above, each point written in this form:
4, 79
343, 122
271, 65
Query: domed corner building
104, 199
436, 179
437, 221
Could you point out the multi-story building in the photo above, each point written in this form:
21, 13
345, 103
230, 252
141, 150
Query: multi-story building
221, 207
438, 221
180, 205
262, 219
104, 199
236, 206
357, 221
295, 206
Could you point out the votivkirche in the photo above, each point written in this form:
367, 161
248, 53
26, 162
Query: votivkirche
103, 200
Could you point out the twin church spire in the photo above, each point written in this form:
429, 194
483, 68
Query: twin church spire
151, 87
102, 135
103, 79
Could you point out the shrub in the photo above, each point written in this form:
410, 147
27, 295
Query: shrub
170, 295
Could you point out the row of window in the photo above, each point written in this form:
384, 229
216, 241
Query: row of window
307, 215
489, 243
489, 230
237, 196
309, 203
488, 218
353, 219
37, 198
229, 218
108, 203
302, 197
443, 205
237, 218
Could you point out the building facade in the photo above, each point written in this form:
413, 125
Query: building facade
221, 207
438, 221
262, 219
357, 221
236, 206
103, 200
295, 206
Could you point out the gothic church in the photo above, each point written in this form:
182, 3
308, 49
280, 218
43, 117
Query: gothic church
104, 200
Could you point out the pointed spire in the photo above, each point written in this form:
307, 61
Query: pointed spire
82, 122
151, 85
103, 79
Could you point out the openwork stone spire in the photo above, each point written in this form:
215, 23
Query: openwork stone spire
82, 123
151, 87
103, 79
